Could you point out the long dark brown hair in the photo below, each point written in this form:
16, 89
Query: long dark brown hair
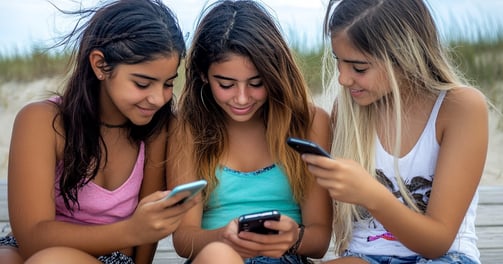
126, 32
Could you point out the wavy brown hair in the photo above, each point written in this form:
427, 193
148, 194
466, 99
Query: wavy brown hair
244, 28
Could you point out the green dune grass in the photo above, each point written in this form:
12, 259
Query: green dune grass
480, 59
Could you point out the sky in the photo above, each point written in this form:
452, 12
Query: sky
28, 23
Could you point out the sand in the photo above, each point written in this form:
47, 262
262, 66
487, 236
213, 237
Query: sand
14, 95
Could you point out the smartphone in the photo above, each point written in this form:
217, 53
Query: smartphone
192, 187
305, 146
255, 222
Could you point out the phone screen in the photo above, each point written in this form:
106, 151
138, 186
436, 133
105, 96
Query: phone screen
255, 222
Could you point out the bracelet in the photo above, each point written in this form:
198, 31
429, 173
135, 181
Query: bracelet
295, 247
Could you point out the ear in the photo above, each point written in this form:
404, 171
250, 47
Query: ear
97, 61
204, 78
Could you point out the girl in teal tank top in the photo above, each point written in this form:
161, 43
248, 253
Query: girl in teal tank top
244, 96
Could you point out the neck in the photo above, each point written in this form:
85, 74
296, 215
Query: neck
123, 125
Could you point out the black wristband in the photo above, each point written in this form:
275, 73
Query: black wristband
295, 247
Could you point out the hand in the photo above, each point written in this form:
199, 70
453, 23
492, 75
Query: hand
249, 244
156, 218
346, 180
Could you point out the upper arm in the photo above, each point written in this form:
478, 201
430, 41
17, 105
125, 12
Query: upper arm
320, 131
154, 169
31, 172
180, 167
316, 207
462, 129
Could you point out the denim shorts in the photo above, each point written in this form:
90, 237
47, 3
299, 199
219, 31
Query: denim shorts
449, 258
114, 258
285, 259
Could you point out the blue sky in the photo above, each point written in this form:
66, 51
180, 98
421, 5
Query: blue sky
26, 23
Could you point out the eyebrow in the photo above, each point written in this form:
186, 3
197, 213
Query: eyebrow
231, 79
351, 61
152, 78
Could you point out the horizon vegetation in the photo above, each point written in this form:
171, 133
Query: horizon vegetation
480, 60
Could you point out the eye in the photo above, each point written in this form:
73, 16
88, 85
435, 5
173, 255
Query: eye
360, 70
142, 85
225, 85
169, 84
256, 84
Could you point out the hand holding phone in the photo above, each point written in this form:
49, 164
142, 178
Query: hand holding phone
255, 222
305, 146
192, 187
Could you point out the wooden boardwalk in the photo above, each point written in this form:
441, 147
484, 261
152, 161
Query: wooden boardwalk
489, 225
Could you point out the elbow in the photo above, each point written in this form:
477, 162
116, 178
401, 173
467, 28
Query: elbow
436, 250
182, 247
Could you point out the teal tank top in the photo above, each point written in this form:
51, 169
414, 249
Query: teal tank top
240, 193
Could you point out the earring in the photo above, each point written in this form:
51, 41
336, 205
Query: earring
100, 77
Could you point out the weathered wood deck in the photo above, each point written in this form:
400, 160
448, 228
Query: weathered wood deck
489, 225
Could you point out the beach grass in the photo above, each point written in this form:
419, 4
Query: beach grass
31, 66
480, 59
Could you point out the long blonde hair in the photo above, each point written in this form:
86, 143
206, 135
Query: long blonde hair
401, 37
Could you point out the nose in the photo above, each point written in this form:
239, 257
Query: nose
158, 96
242, 96
345, 78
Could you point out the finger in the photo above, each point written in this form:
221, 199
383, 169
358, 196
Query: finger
315, 159
242, 251
154, 197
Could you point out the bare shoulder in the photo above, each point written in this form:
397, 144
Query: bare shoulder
320, 116
464, 99
463, 107
37, 114
320, 131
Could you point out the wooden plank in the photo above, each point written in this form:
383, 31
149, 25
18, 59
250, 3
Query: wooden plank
490, 195
490, 237
491, 256
489, 227
489, 215
4, 212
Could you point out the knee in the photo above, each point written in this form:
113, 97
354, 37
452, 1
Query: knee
218, 252
61, 255
10, 255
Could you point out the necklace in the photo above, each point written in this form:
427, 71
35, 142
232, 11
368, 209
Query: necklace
123, 125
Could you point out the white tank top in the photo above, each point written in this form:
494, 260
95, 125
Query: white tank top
417, 169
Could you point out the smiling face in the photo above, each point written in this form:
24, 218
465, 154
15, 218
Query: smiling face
136, 92
237, 87
366, 81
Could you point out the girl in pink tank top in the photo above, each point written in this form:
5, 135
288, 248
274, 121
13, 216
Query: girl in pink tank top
77, 161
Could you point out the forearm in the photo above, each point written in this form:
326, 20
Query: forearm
94, 239
315, 241
144, 254
418, 232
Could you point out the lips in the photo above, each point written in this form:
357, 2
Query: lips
241, 110
147, 111
356, 92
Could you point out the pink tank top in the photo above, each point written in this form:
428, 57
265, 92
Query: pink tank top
99, 205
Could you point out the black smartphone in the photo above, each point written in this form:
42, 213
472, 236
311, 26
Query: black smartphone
305, 146
254, 222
